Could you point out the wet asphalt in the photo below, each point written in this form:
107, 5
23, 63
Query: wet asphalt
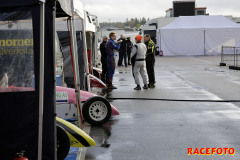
164, 130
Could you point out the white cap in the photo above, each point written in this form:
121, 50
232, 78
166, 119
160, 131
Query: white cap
104, 36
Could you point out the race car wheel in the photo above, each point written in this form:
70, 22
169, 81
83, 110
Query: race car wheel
95, 73
63, 143
97, 110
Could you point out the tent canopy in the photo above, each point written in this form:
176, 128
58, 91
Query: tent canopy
20, 21
17, 3
71, 7
191, 22
198, 35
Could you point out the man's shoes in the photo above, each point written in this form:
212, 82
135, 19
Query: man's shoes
137, 88
145, 86
112, 87
151, 85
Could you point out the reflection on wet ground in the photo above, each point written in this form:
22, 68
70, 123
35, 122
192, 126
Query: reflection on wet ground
105, 92
101, 135
122, 79
147, 130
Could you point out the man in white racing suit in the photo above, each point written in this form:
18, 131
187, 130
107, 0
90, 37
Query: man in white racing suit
139, 63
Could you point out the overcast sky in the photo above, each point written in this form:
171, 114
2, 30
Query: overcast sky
119, 10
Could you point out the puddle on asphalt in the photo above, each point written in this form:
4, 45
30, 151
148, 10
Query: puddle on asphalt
101, 134
122, 79
189, 83
121, 72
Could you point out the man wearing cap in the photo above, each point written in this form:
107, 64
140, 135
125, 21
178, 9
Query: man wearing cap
150, 60
139, 64
103, 51
111, 47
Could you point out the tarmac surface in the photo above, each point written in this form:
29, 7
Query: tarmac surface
164, 130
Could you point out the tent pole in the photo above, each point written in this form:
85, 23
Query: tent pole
96, 50
160, 39
85, 50
75, 61
96, 41
41, 79
54, 65
74, 47
91, 49
204, 34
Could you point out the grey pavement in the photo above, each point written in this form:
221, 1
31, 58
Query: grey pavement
163, 130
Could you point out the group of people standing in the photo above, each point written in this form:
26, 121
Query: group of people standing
125, 51
142, 58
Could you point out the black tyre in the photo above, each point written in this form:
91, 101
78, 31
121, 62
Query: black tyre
97, 110
232, 67
222, 64
63, 143
95, 73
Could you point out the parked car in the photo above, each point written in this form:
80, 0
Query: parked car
96, 110
69, 135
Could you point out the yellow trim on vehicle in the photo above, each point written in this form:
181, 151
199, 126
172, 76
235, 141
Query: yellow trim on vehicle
78, 138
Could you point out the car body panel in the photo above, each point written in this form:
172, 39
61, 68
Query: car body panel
77, 137
84, 95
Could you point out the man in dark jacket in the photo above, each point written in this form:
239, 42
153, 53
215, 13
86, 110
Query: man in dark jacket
103, 51
150, 60
123, 52
129, 49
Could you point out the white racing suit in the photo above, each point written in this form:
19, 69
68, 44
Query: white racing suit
139, 63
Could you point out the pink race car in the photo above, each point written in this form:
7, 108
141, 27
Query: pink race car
96, 110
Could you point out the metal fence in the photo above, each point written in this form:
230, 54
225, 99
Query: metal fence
230, 56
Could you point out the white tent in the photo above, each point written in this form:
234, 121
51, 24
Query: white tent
198, 35
72, 7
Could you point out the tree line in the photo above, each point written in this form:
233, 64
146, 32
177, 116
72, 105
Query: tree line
132, 23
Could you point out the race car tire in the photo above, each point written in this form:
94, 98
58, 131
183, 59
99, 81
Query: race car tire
97, 110
63, 143
95, 73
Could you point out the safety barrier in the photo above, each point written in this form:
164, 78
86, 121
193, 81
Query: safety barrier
230, 56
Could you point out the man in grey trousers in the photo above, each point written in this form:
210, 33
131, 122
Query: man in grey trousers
139, 66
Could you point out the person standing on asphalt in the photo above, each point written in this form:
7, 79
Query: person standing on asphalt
111, 48
129, 49
139, 64
120, 52
103, 51
150, 60
123, 51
